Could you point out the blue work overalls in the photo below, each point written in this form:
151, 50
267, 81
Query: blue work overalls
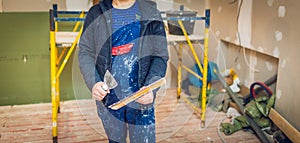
138, 119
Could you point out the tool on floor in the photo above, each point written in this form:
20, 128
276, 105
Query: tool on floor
138, 94
109, 81
252, 123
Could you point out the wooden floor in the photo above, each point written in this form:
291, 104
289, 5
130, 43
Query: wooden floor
78, 122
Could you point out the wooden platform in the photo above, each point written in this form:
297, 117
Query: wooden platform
69, 37
78, 122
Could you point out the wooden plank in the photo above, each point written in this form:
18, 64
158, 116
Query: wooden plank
292, 133
69, 37
181, 38
65, 37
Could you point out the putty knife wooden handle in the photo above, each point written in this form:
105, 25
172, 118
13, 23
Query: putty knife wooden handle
137, 94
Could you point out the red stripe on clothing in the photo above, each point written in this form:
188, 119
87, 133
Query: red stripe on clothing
123, 49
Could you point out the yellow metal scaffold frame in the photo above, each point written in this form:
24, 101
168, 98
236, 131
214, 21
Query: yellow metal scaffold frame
203, 70
57, 65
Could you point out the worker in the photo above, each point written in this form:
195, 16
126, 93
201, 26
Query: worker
126, 38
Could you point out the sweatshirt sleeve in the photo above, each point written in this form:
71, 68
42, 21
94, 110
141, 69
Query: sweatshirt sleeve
87, 50
160, 54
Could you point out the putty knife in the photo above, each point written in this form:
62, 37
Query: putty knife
109, 81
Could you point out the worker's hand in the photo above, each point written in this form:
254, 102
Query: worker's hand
98, 92
146, 99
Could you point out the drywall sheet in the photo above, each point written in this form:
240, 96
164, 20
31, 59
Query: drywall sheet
274, 32
244, 24
277, 33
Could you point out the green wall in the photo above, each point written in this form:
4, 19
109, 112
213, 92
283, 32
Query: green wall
27, 35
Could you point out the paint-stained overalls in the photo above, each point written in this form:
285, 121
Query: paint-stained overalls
139, 121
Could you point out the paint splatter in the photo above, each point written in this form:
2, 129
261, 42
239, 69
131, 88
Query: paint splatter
278, 94
227, 38
251, 46
206, 35
283, 63
281, 11
219, 9
219, 44
253, 61
247, 83
276, 52
237, 40
238, 66
269, 66
218, 33
270, 2
209, 139
260, 49
278, 35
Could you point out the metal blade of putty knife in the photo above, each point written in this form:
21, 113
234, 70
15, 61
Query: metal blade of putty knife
109, 80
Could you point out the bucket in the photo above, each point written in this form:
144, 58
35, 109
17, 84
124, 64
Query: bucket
173, 25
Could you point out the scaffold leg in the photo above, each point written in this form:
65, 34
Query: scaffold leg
55, 140
179, 71
58, 95
205, 65
57, 83
53, 69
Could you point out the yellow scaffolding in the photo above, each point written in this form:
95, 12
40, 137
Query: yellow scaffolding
57, 65
203, 70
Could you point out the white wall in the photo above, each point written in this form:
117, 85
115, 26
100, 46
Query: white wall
78, 5
0, 5
164, 5
43, 5
31, 5
274, 33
